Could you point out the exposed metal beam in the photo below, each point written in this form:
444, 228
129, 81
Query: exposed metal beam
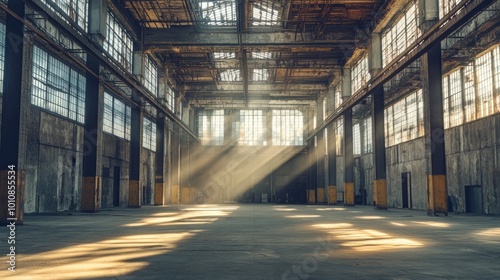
444, 27
158, 39
230, 86
255, 97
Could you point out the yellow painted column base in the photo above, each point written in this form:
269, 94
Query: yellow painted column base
437, 195
380, 194
175, 194
12, 186
348, 194
159, 190
134, 194
321, 195
332, 195
311, 196
91, 194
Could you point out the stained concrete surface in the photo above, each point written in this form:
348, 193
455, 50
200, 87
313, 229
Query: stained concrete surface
252, 241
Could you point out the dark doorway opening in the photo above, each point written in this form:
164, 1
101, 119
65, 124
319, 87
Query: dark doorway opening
116, 186
406, 190
473, 199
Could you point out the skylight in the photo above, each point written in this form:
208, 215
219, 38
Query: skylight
262, 55
224, 55
260, 75
219, 12
265, 13
231, 75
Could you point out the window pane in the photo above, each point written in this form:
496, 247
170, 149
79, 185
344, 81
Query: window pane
56, 87
484, 85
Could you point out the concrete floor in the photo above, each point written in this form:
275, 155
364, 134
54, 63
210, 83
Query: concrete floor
255, 242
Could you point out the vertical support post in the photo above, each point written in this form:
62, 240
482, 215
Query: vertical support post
12, 169
332, 165
269, 127
437, 193
375, 54
320, 156
92, 157
348, 160
175, 174
379, 182
161, 143
311, 158
331, 150
168, 167
134, 197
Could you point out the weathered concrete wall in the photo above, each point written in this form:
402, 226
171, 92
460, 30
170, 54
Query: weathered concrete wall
402, 158
472, 155
148, 176
340, 174
116, 155
363, 182
54, 156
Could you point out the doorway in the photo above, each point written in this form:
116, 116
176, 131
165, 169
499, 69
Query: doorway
473, 199
406, 190
116, 186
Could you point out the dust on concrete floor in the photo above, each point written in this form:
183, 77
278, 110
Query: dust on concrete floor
252, 241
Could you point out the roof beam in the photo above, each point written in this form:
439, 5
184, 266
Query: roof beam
164, 39
231, 86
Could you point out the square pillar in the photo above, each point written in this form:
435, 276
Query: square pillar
161, 143
14, 103
93, 135
175, 157
437, 193
379, 160
136, 124
348, 160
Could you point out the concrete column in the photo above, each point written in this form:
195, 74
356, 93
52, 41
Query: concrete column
269, 127
348, 160
437, 192
15, 99
312, 172
428, 13
168, 167
375, 54
97, 19
228, 127
330, 101
320, 156
134, 196
161, 144
92, 157
378, 135
186, 112
185, 186
332, 165
346, 82
175, 174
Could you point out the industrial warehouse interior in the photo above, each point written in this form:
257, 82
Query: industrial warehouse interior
250, 139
